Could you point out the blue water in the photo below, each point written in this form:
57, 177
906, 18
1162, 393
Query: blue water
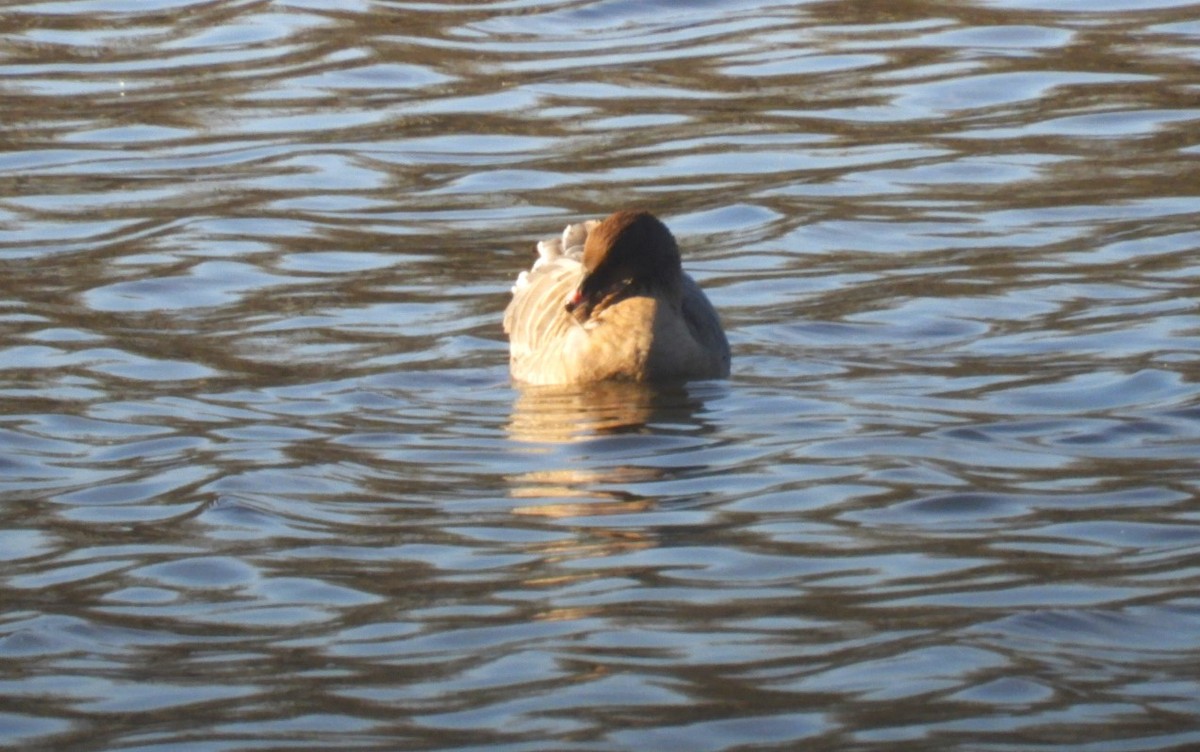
265, 483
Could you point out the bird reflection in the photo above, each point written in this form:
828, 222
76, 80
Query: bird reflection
561, 414
615, 425
595, 451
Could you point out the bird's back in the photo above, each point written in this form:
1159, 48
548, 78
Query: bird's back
536, 320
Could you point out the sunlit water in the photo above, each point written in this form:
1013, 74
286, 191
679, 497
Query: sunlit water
264, 482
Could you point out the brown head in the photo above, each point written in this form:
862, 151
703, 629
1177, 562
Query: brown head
629, 253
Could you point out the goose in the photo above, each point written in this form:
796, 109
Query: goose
609, 301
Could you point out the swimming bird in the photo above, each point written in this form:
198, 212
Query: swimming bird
608, 300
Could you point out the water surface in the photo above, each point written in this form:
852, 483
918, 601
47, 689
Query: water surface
265, 484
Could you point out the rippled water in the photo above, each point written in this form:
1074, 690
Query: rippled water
264, 482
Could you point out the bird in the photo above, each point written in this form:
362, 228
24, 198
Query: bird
609, 301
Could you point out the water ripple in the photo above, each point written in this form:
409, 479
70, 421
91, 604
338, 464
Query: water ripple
264, 480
